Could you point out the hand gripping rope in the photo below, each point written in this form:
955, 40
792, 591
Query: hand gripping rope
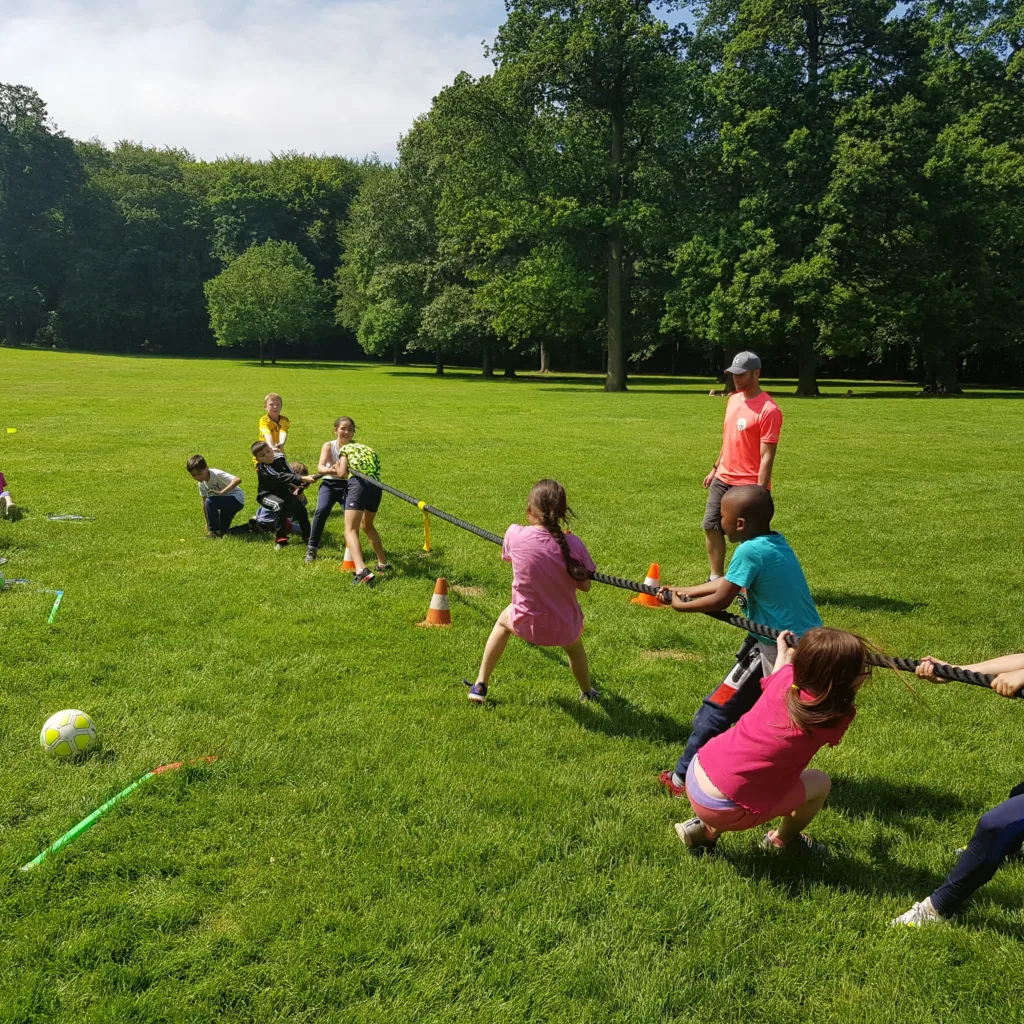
949, 673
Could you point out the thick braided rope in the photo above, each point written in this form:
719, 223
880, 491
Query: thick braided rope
951, 673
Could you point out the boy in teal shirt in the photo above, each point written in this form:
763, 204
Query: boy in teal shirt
765, 566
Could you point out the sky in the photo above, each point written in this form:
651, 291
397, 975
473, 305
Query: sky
252, 77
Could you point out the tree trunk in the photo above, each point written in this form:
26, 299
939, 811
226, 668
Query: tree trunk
263, 362
544, 365
510, 365
807, 383
487, 367
273, 351
10, 328
616, 379
945, 373
439, 362
396, 354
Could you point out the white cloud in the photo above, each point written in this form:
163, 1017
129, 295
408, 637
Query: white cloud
249, 76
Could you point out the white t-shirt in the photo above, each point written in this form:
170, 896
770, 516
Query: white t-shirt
217, 482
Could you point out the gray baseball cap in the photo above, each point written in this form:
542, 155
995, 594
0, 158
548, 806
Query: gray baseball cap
744, 362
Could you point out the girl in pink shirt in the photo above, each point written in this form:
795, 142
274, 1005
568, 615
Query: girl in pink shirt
758, 770
548, 568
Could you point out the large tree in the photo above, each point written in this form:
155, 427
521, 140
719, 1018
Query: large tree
40, 177
603, 71
268, 294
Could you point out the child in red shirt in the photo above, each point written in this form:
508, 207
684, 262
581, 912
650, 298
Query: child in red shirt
758, 770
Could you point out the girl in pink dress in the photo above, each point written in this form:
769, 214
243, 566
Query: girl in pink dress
548, 567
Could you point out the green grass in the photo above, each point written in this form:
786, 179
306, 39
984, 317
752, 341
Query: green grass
369, 847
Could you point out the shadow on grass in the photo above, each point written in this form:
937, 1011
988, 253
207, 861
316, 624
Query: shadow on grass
867, 602
902, 804
622, 718
280, 365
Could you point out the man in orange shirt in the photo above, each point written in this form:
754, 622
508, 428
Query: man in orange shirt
750, 437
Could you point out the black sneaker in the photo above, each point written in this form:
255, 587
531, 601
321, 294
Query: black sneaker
280, 545
592, 696
311, 555
383, 567
365, 576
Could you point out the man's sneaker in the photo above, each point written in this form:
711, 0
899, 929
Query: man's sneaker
477, 692
918, 915
667, 779
803, 843
365, 576
694, 837
592, 696
311, 555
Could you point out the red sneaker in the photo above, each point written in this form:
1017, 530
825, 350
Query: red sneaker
665, 778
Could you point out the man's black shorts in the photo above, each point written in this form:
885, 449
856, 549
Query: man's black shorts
363, 496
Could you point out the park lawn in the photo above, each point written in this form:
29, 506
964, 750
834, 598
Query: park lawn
370, 847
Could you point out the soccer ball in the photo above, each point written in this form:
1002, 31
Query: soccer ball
68, 734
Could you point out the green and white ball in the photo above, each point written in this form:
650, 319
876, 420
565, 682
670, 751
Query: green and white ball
68, 734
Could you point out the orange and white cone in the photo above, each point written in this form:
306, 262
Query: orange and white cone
439, 614
347, 565
653, 579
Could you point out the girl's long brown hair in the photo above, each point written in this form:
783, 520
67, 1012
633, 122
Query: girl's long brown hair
828, 665
548, 501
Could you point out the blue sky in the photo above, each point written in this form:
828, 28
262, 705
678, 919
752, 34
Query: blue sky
243, 76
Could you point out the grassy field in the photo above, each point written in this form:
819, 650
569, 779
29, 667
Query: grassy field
370, 847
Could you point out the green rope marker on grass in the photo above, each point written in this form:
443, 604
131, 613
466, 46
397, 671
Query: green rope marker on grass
56, 605
87, 823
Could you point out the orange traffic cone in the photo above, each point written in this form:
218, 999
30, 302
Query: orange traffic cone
438, 614
653, 580
347, 565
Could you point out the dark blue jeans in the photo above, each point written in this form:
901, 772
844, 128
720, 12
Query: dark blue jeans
331, 493
733, 698
220, 509
999, 834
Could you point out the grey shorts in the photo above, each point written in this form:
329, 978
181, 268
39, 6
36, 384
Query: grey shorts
713, 509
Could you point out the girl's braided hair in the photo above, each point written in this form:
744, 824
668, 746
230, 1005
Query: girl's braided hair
548, 501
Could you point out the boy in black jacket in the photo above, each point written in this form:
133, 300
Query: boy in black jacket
276, 491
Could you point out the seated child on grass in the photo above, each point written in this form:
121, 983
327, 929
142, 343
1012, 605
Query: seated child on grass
757, 770
222, 498
277, 491
777, 596
548, 568
362, 500
1000, 832
7, 506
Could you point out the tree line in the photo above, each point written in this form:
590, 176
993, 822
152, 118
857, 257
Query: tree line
643, 185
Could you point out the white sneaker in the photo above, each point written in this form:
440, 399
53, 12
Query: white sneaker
918, 915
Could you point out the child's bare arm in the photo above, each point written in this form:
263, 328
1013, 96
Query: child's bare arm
325, 465
235, 481
717, 600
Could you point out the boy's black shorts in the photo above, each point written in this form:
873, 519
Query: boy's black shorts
363, 496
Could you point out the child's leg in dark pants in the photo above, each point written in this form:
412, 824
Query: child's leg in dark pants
999, 834
329, 495
220, 510
734, 697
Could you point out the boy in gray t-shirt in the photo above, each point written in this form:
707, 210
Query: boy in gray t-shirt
222, 498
